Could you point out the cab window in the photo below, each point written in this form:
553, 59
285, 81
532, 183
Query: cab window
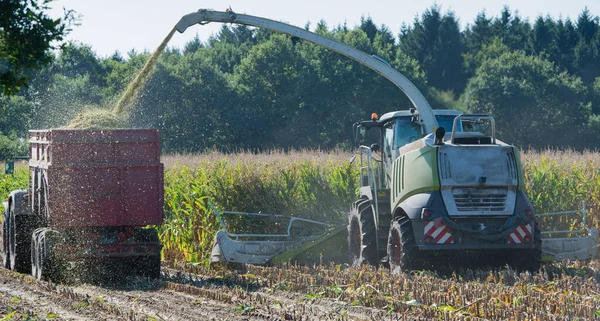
406, 131
447, 121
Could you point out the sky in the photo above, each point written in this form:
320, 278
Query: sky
123, 25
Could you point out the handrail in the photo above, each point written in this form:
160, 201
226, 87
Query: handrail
462, 117
292, 219
373, 182
582, 211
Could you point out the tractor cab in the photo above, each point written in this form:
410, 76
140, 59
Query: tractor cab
396, 129
383, 138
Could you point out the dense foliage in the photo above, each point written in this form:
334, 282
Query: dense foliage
27, 35
252, 89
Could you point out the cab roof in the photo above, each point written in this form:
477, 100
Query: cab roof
406, 113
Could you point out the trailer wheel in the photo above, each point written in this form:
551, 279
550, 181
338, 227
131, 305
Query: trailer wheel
401, 246
49, 267
20, 242
362, 242
149, 266
5, 240
34, 257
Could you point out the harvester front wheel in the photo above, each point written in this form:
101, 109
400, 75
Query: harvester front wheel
401, 248
362, 240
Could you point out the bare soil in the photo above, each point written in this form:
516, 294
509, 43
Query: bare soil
557, 292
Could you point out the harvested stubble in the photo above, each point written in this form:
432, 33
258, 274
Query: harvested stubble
559, 291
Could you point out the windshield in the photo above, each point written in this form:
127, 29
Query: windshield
406, 131
447, 122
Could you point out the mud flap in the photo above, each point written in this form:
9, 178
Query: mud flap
577, 248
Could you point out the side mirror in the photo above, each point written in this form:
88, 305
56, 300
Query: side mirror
439, 135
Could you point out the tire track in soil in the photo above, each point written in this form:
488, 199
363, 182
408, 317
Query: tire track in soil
265, 304
38, 299
179, 296
34, 299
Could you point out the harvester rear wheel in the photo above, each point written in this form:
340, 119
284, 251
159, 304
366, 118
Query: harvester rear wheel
401, 248
362, 240
531, 260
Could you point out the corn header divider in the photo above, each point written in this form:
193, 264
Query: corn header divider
583, 246
300, 239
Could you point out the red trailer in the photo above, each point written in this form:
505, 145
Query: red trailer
93, 197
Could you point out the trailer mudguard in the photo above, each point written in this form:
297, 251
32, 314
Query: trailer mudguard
18, 199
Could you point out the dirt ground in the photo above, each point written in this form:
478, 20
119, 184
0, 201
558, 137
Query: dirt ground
177, 296
557, 292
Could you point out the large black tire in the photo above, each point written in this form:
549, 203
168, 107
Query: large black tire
34, 256
147, 266
530, 260
5, 240
20, 231
362, 238
401, 248
49, 267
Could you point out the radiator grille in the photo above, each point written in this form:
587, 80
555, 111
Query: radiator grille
480, 199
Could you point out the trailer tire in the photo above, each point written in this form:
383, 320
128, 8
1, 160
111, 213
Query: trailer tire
149, 266
362, 238
34, 257
5, 240
401, 248
20, 243
50, 268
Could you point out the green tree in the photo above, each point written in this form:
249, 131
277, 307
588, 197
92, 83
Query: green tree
533, 103
367, 25
565, 40
479, 34
513, 31
595, 92
27, 35
15, 114
587, 50
542, 37
435, 42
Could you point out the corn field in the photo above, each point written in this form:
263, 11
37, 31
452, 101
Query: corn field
320, 185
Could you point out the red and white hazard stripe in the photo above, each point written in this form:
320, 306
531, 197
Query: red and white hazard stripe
519, 234
437, 233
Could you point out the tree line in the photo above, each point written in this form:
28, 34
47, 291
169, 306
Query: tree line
248, 88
